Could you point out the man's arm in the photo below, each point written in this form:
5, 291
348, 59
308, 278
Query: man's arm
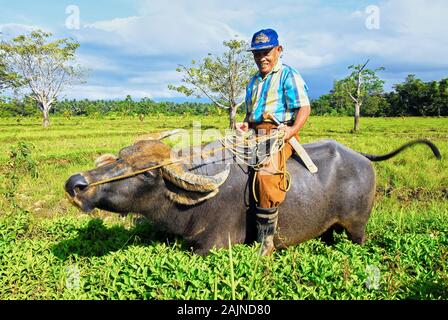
301, 117
246, 119
243, 126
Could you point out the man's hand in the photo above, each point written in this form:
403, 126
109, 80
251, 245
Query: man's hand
301, 116
242, 127
290, 131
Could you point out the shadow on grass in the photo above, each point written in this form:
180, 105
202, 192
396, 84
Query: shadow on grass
97, 239
428, 290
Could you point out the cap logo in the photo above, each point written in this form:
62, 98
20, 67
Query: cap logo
261, 38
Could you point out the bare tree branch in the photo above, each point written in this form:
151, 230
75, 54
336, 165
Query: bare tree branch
353, 98
221, 79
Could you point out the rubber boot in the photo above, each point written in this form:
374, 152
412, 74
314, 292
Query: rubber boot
266, 226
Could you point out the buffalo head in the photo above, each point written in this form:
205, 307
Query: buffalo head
131, 191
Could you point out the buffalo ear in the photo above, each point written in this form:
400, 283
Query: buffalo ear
158, 135
105, 159
166, 134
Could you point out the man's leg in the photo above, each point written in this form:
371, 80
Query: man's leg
271, 190
266, 226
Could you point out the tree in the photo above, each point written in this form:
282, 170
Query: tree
417, 98
45, 68
442, 100
7, 80
375, 106
221, 79
411, 96
341, 101
361, 83
322, 105
128, 105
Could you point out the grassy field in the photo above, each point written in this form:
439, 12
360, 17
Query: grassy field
50, 250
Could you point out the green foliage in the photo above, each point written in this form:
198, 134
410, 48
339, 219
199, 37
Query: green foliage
411, 266
20, 163
222, 79
375, 106
8, 79
417, 98
370, 83
323, 105
18, 108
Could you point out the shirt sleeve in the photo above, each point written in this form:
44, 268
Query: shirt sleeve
296, 91
248, 99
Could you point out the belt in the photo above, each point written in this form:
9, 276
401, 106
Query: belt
255, 124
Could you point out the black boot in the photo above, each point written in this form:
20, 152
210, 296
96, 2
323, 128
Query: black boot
266, 225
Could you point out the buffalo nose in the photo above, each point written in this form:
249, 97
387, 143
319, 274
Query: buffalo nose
76, 181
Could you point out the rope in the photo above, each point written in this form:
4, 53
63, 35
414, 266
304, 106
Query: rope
251, 148
247, 148
248, 144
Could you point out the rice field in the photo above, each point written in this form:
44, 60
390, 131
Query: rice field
50, 250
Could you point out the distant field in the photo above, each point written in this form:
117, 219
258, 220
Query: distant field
50, 250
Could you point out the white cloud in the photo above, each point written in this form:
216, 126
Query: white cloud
114, 25
177, 32
304, 61
417, 18
104, 92
411, 32
97, 63
10, 30
357, 14
156, 77
153, 91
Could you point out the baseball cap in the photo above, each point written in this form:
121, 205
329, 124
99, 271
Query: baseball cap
264, 39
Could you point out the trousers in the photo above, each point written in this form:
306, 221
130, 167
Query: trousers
270, 181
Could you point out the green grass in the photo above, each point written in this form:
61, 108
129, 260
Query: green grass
49, 250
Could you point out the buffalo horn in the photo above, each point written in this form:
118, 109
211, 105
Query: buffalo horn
194, 182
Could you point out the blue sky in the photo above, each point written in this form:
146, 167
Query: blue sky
134, 46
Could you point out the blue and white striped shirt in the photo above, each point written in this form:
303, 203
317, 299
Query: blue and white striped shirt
281, 93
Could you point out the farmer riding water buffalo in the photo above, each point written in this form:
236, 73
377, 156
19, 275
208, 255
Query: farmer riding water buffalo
210, 203
222, 199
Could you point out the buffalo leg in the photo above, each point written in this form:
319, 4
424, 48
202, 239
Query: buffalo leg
327, 237
356, 233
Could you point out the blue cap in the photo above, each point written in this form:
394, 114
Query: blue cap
264, 39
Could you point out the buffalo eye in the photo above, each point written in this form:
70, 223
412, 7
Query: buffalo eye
149, 174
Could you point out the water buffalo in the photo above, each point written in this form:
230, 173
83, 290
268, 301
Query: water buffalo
211, 202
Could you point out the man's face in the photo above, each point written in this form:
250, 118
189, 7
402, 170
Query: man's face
267, 59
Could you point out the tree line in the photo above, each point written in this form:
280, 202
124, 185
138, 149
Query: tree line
26, 107
413, 97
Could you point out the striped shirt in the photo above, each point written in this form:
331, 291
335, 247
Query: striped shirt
281, 93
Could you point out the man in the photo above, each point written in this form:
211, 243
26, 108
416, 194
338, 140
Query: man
279, 90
